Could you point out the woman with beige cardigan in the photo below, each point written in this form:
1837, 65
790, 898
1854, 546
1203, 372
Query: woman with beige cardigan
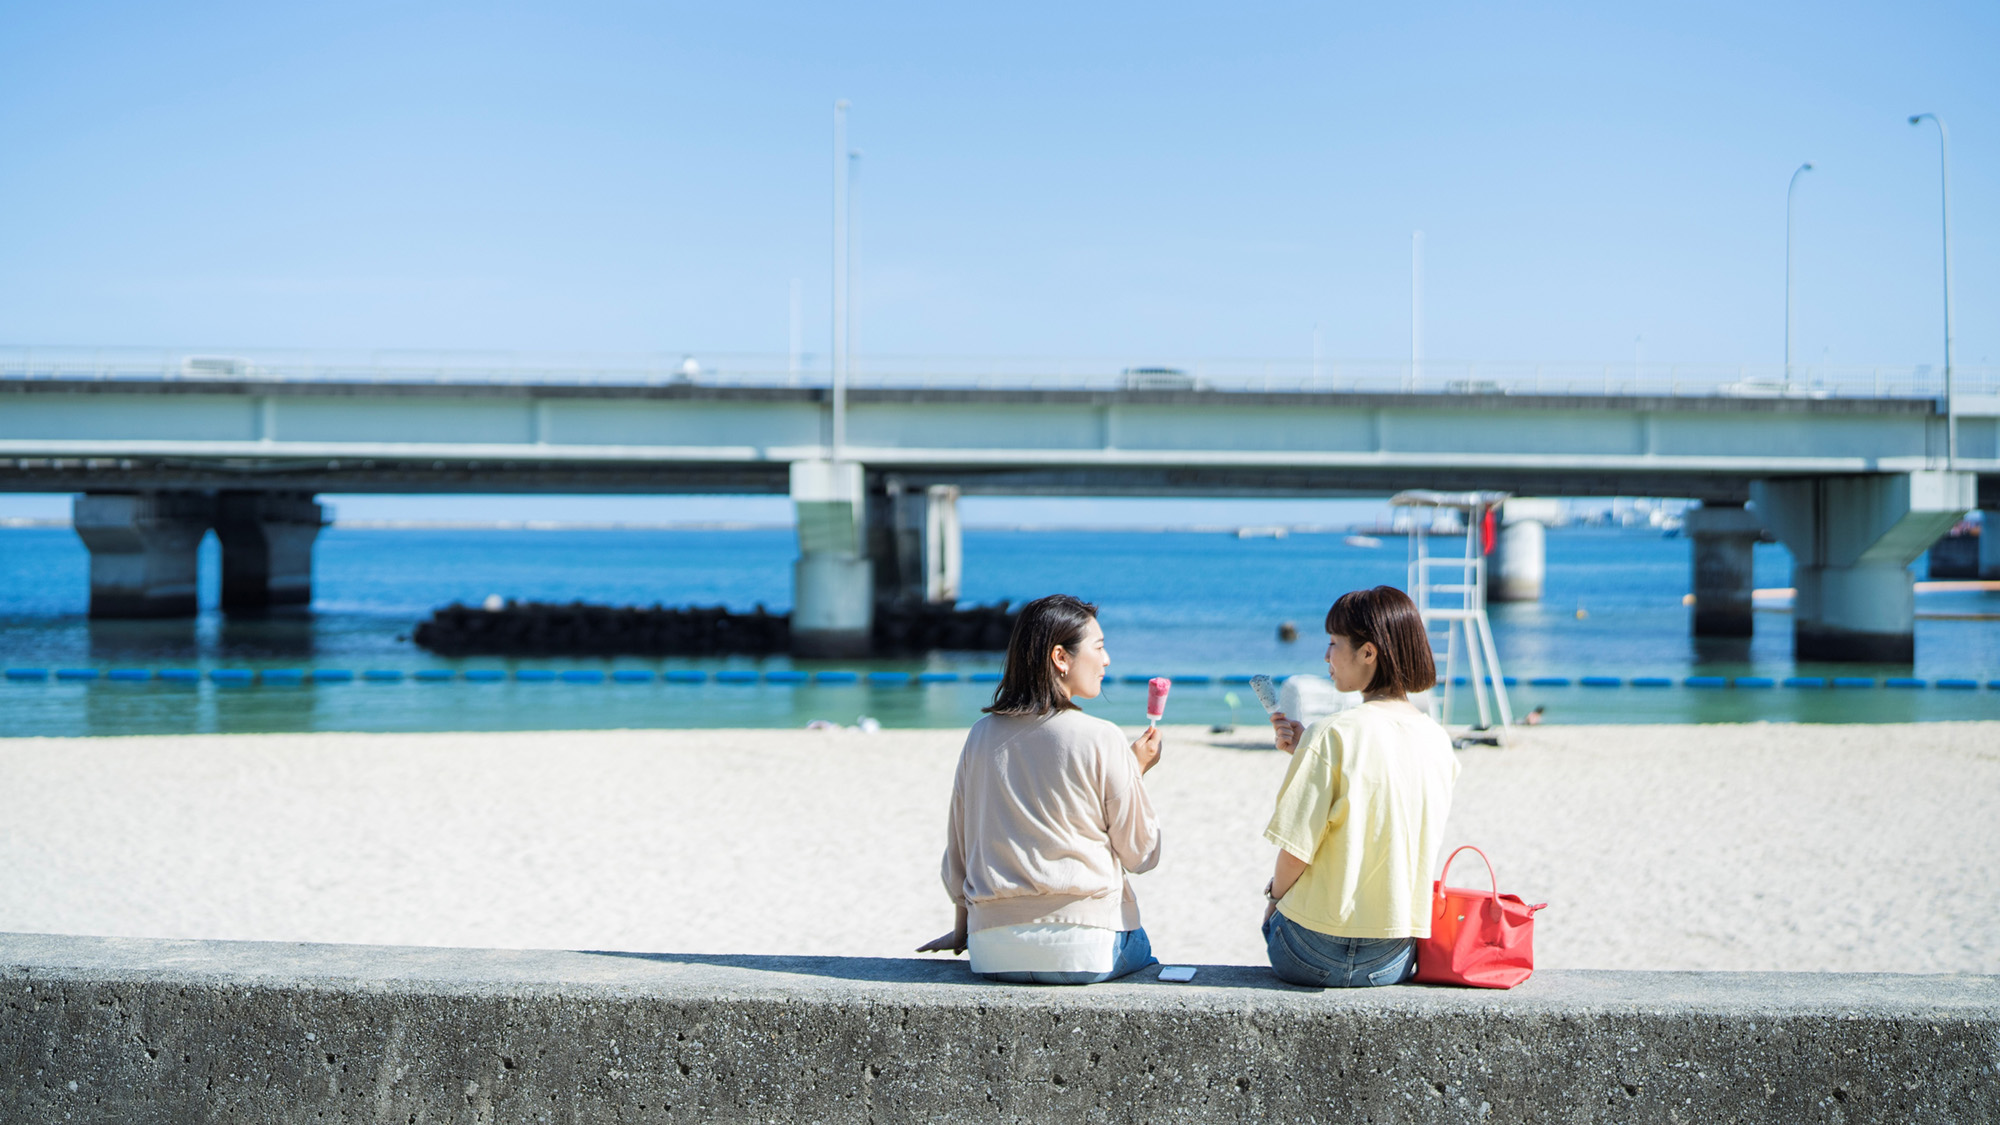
1049, 816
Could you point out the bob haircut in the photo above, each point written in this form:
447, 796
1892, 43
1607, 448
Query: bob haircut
1029, 685
1386, 618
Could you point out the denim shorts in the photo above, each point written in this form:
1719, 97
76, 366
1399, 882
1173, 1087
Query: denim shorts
1130, 953
1317, 960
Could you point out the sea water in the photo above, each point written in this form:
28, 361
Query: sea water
1181, 604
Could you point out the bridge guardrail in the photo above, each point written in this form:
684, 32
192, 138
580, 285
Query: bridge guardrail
1251, 375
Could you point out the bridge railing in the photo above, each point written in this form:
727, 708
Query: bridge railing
751, 369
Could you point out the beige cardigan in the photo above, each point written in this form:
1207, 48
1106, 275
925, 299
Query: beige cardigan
1047, 816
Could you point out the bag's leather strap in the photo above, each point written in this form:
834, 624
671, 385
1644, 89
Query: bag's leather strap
1490, 873
1493, 878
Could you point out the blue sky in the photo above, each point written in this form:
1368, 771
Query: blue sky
1144, 183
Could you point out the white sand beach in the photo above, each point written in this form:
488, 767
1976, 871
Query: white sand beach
1847, 848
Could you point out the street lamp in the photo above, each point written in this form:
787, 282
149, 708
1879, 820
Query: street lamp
1807, 167
1944, 189
839, 277
853, 178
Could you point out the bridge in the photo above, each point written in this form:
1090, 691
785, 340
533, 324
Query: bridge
1853, 471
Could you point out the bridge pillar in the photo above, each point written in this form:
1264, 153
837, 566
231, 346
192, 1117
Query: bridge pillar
1724, 536
1520, 552
143, 549
914, 542
267, 541
833, 585
1852, 540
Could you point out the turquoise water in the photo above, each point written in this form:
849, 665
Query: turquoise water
1178, 604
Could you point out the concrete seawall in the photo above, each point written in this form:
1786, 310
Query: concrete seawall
143, 1031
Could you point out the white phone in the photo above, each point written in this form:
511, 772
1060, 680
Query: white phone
1177, 973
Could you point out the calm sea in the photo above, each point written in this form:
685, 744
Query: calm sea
1173, 603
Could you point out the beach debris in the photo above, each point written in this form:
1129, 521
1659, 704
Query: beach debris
822, 724
1156, 698
867, 724
1230, 698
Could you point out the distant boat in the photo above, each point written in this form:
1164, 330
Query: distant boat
1262, 532
1368, 541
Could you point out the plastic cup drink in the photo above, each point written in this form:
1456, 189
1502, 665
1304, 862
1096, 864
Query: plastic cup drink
1156, 698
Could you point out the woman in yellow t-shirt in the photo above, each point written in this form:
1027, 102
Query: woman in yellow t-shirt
1361, 812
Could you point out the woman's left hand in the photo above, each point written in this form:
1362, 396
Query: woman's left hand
954, 941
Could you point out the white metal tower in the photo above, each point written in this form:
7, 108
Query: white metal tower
1450, 592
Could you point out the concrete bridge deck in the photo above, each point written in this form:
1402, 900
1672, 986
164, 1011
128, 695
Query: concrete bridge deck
141, 1032
316, 436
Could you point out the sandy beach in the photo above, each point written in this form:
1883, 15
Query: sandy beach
1845, 848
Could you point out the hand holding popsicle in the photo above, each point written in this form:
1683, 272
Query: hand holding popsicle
1156, 698
1146, 749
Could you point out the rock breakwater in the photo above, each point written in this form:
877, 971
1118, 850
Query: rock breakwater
582, 629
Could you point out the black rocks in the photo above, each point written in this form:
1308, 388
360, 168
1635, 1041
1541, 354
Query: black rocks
581, 629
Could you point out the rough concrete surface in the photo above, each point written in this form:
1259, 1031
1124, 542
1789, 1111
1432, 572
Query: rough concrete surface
146, 1031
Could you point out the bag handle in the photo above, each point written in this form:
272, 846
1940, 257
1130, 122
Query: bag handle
1491, 875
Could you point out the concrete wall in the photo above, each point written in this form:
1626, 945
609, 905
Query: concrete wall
139, 1031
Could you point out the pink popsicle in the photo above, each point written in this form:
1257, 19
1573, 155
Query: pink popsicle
1156, 697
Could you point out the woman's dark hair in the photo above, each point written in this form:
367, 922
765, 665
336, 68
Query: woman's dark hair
1030, 686
1386, 618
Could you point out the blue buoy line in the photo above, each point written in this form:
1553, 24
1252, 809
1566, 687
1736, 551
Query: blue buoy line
291, 677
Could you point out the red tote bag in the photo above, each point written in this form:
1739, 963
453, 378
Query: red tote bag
1480, 939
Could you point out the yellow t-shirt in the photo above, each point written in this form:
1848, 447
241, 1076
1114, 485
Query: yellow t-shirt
1364, 803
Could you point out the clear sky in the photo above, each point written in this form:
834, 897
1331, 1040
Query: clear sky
1144, 183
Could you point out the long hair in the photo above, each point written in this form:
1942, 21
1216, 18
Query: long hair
1386, 618
1029, 685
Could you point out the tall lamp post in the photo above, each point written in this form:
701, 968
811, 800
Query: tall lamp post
1806, 167
839, 277
1416, 309
853, 179
1944, 189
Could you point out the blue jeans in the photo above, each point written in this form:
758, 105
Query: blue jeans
1130, 953
1317, 960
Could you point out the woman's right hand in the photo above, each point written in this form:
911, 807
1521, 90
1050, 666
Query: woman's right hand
1288, 731
1147, 749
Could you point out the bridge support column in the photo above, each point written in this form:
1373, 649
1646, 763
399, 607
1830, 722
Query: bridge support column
914, 542
833, 585
1724, 536
143, 548
267, 541
1852, 540
1520, 552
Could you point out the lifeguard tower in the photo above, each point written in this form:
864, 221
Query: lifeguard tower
1450, 592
